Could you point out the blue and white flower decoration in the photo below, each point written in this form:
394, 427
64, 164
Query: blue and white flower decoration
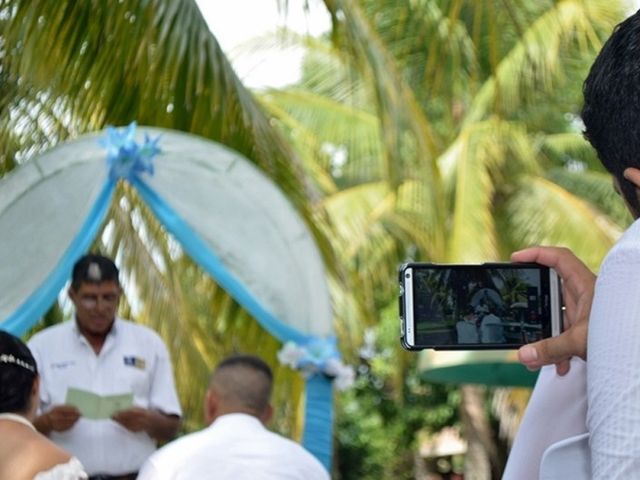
125, 157
318, 356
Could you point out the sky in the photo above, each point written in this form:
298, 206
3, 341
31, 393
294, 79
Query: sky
234, 27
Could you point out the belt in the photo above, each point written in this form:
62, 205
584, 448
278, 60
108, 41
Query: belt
124, 476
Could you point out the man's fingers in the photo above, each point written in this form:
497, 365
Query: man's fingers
557, 257
554, 350
563, 367
568, 266
557, 350
66, 410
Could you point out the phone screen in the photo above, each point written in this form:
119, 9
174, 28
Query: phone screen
500, 305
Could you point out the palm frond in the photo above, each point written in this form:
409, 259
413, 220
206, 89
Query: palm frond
475, 167
543, 213
595, 187
572, 148
410, 143
535, 61
99, 72
347, 142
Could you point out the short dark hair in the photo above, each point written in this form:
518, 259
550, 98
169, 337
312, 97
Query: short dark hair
94, 268
611, 111
18, 371
244, 381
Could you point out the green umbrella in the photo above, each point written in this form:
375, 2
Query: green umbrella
498, 368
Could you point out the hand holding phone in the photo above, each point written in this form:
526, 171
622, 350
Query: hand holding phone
578, 288
469, 307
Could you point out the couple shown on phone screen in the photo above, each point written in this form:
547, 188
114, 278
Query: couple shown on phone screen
488, 306
480, 325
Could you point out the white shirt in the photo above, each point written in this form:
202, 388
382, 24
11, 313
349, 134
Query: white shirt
133, 360
570, 458
234, 447
467, 332
612, 378
557, 410
491, 329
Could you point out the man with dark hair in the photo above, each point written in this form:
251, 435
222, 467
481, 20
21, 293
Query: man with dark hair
586, 420
236, 445
104, 355
94, 269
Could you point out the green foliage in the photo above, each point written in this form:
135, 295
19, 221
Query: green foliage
377, 419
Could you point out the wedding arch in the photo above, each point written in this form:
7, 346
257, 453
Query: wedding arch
227, 215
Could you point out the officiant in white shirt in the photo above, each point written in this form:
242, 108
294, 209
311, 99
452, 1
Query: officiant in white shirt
104, 355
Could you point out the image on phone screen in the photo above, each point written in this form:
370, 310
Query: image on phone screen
478, 306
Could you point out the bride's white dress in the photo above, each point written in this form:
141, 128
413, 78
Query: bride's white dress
72, 470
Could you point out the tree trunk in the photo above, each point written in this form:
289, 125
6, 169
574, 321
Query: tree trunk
482, 461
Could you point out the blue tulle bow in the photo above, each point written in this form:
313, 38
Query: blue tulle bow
125, 157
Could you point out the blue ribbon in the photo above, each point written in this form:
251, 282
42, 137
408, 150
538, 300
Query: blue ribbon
318, 421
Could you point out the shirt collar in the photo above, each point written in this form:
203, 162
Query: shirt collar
112, 333
237, 419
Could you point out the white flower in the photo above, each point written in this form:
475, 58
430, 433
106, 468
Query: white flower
345, 378
291, 354
368, 349
317, 358
333, 366
344, 375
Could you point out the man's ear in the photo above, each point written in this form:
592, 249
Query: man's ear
266, 415
72, 294
632, 174
210, 406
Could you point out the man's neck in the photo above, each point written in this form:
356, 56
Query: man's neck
96, 340
221, 412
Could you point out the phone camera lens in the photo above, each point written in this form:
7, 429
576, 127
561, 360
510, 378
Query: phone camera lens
407, 275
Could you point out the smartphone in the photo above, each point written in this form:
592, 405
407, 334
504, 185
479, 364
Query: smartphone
481, 306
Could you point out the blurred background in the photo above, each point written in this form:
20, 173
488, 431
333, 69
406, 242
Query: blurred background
401, 130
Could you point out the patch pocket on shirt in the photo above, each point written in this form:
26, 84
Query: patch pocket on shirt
134, 376
135, 362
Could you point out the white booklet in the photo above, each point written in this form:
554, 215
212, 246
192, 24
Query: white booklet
98, 407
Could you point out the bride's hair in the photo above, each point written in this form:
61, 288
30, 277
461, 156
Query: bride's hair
18, 371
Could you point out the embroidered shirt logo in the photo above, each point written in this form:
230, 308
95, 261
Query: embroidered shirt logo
135, 362
62, 365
